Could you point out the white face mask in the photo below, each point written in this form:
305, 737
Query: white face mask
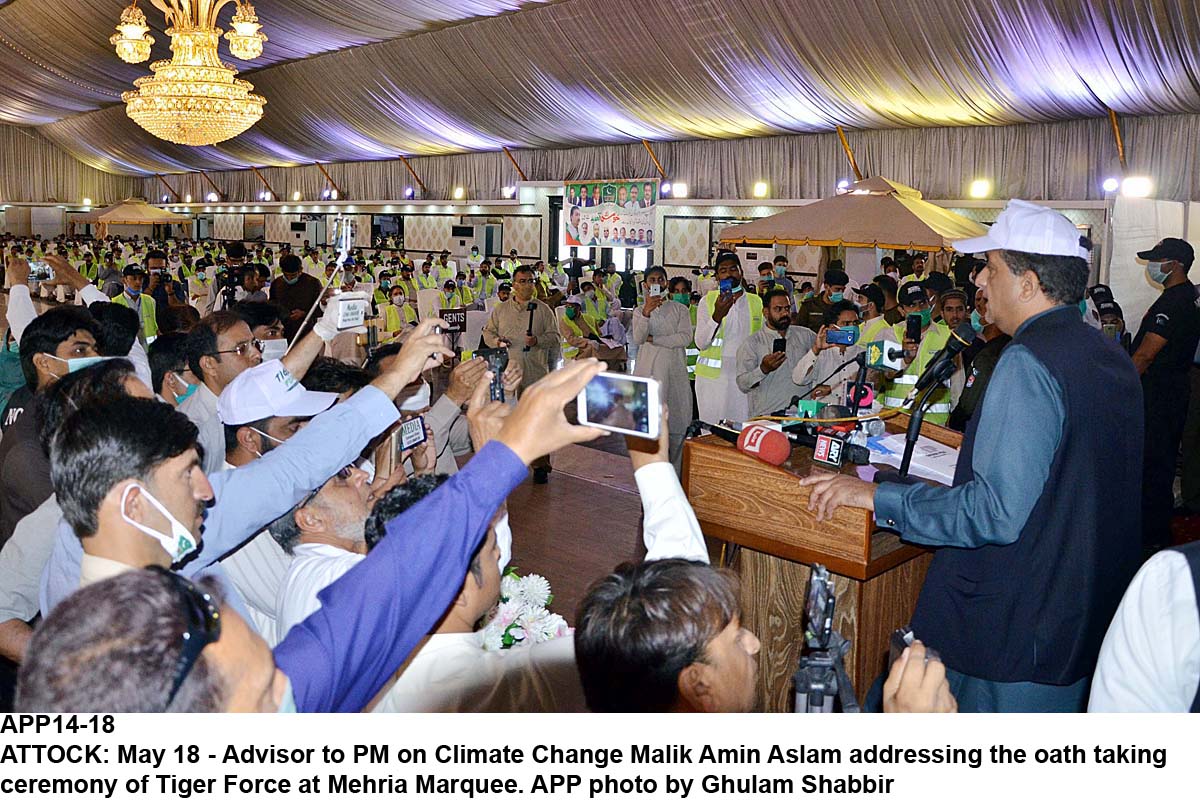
274, 349
503, 541
179, 544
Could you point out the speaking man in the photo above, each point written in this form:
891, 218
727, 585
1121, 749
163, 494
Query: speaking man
1040, 533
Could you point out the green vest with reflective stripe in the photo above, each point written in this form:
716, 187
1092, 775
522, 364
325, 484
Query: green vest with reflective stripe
597, 309
429, 282
149, 318
874, 330
898, 389
392, 317
569, 352
710, 360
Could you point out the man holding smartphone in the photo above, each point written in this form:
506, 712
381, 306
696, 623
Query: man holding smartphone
923, 338
766, 361
727, 317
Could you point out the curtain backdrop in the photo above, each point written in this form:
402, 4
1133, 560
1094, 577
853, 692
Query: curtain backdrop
1051, 161
34, 169
592, 72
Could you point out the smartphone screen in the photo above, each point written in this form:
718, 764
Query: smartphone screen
497, 360
621, 404
780, 345
41, 271
726, 286
912, 330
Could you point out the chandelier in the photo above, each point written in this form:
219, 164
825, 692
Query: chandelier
195, 98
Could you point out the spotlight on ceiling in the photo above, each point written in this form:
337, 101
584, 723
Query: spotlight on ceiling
843, 185
212, 198
296, 196
87, 202
409, 192
509, 192
1111, 184
679, 190
459, 193
665, 188
333, 195
760, 189
1137, 187
980, 188
325, 194
188, 199
166, 198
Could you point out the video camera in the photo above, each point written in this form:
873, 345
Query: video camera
821, 677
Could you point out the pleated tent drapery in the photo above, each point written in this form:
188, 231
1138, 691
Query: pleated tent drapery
873, 213
616, 71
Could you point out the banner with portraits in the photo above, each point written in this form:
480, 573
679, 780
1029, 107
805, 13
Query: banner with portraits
610, 214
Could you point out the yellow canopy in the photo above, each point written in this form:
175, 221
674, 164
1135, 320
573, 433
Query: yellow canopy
874, 212
135, 212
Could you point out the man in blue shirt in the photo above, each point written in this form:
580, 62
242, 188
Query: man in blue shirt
1039, 534
150, 641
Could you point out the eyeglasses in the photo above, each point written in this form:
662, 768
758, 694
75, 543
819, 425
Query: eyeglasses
203, 626
342, 474
242, 348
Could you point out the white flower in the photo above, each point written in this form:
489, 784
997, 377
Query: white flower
493, 638
535, 590
506, 614
510, 587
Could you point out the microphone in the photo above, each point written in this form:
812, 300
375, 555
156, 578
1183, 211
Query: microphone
960, 339
757, 441
532, 307
884, 355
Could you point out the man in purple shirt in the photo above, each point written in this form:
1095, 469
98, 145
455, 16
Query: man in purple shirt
149, 640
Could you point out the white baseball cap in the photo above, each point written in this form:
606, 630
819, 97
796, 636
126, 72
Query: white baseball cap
1030, 228
267, 390
576, 299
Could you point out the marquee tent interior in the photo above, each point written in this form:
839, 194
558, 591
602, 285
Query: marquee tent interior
372, 80
133, 212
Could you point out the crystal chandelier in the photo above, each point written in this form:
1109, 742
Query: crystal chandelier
132, 39
195, 98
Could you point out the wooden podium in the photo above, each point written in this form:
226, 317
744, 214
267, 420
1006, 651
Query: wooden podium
762, 509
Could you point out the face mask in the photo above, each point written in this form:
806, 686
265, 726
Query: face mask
836, 297
780, 271
806, 296
200, 275
288, 705
133, 294
977, 321
191, 389
1155, 272
571, 313
926, 316
398, 301
591, 294
855, 329
1083, 309
291, 280
682, 298
735, 290
384, 285
274, 349
179, 544
79, 363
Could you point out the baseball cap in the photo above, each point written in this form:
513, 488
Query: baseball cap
912, 293
938, 283
1109, 307
871, 293
133, 270
727, 256
1171, 249
576, 299
836, 277
1028, 228
267, 390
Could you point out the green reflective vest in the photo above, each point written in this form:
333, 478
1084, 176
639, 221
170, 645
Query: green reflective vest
711, 359
896, 391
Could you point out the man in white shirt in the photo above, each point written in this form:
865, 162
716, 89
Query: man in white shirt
1150, 659
726, 318
765, 372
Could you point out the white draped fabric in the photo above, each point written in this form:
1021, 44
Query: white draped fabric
615, 71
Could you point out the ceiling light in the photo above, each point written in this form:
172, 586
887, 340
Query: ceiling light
1137, 187
296, 196
665, 188
333, 194
980, 188
408, 192
843, 185
196, 98
132, 39
459, 193
87, 202
166, 198
679, 190
509, 192
760, 189
212, 198
1111, 184
188, 199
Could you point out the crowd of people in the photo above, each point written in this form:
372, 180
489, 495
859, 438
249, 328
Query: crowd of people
201, 492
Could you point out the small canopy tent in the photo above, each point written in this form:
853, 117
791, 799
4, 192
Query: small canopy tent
130, 212
872, 213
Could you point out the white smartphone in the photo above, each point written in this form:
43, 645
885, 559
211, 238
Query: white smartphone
621, 403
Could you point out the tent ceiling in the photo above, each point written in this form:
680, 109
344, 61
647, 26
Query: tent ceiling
595, 71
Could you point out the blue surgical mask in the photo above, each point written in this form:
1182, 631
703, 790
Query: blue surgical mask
735, 290
1155, 272
292, 280
131, 293
1083, 309
780, 271
836, 297
976, 321
200, 275
79, 363
191, 389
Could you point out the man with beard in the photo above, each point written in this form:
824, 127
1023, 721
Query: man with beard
764, 372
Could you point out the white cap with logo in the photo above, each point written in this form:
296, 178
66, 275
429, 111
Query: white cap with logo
1029, 228
267, 390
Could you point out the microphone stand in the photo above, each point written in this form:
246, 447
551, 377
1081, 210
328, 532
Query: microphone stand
860, 383
917, 417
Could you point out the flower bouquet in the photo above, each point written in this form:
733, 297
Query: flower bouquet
522, 616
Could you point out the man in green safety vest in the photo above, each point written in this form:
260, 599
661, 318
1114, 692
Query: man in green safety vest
141, 303
727, 317
918, 354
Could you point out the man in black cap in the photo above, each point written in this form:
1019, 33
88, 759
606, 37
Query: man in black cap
871, 302
1162, 353
812, 312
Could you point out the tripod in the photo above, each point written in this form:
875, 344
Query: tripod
822, 678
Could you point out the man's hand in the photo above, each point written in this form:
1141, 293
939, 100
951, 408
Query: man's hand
772, 362
821, 391
724, 304
423, 350
820, 344
652, 304
530, 341
643, 451
463, 380
537, 425
828, 492
485, 418
915, 685
296, 315
16, 272
424, 455
911, 348
65, 273
514, 375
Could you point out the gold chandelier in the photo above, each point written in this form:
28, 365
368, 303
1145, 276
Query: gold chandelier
195, 98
